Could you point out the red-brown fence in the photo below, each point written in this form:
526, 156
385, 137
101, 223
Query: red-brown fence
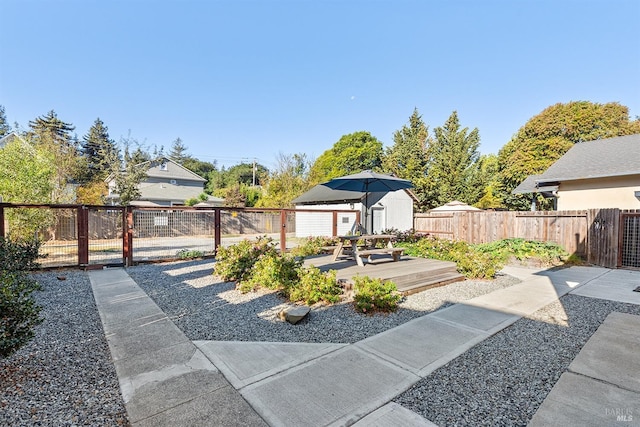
79, 235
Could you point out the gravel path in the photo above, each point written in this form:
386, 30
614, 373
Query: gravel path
206, 309
64, 376
503, 380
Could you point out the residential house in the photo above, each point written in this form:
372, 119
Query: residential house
598, 174
167, 184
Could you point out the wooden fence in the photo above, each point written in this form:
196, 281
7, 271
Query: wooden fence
596, 235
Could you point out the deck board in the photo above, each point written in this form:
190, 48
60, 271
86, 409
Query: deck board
408, 273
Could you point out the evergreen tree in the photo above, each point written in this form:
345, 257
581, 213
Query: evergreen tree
453, 171
97, 149
5, 129
408, 157
52, 135
178, 152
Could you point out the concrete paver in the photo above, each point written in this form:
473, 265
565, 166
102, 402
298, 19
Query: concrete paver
617, 285
423, 344
244, 363
393, 415
335, 389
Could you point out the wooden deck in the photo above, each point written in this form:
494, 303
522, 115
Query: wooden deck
410, 274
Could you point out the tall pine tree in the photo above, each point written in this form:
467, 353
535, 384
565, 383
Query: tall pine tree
97, 149
453, 170
5, 129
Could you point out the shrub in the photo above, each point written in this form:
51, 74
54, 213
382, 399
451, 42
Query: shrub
408, 236
375, 295
271, 271
189, 254
548, 253
235, 262
312, 246
315, 286
19, 313
19, 255
470, 261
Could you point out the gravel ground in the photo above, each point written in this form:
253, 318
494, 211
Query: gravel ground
64, 376
503, 380
206, 309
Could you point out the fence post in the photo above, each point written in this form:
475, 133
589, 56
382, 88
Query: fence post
2, 231
83, 235
283, 231
217, 230
127, 236
334, 229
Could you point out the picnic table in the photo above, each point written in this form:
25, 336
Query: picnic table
371, 241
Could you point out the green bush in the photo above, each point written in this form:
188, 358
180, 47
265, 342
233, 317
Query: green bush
18, 310
470, 261
235, 262
312, 246
189, 254
547, 253
271, 271
315, 286
375, 295
19, 255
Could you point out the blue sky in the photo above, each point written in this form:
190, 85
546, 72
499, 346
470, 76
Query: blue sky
238, 80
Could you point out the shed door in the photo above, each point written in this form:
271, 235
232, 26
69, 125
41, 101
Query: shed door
379, 219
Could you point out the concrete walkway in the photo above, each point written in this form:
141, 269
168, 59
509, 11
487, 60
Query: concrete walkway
164, 377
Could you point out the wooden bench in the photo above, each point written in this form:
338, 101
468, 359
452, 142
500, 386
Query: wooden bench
395, 252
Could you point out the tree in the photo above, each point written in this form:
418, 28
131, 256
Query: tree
5, 129
26, 176
453, 169
178, 152
408, 158
286, 182
488, 177
549, 135
352, 153
97, 149
128, 170
53, 136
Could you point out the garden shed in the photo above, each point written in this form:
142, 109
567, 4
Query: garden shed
387, 210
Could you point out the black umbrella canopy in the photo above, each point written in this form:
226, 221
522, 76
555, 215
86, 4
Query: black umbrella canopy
368, 182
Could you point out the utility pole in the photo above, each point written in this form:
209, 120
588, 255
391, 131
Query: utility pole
254, 171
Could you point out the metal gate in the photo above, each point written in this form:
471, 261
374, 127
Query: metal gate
630, 240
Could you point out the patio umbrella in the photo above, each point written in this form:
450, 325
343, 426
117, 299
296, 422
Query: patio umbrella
368, 182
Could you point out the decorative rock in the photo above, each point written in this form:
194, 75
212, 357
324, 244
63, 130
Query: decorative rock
62, 277
296, 314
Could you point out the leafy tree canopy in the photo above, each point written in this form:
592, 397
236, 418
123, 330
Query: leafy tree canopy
286, 182
353, 153
549, 135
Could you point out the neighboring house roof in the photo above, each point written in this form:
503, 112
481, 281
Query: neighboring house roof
10, 137
171, 170
601, 158
172, 192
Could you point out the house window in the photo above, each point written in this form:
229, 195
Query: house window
163, 166
345, 220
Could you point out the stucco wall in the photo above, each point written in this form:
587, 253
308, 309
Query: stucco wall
600, 193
